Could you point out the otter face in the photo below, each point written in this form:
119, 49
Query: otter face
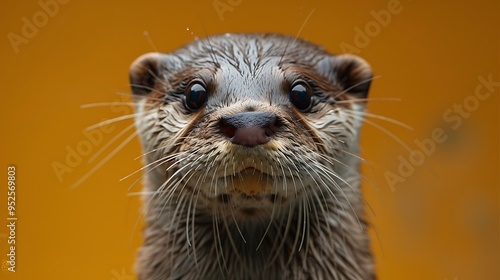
249, 122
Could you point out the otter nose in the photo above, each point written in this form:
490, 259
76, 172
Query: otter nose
249, 128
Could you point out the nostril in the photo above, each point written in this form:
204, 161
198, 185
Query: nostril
269, 132
272, 127
228, 129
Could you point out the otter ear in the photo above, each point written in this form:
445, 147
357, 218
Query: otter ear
144, 73
352, 73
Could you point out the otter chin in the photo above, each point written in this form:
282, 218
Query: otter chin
251, 160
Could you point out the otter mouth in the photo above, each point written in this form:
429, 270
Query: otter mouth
250, 193
249, 171
250, 181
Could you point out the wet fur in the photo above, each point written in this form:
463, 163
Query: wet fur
308, 221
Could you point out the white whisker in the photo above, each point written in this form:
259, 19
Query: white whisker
355, 85
106, 104
117, 119
380, 117
364, 100
109, 143
103, 161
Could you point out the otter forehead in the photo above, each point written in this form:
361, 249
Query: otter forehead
265, 85
251, 50
243, 68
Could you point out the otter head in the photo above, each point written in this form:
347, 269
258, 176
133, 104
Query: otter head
251, 123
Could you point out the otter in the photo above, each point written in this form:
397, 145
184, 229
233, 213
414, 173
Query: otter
251, 160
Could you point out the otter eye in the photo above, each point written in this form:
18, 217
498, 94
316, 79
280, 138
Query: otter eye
196, 96
300, 96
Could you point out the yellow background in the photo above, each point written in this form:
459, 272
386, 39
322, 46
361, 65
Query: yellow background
440, 223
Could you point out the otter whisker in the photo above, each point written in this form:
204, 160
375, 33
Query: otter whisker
150, 41
194, 232
177, 217
106, 104
281, 164
173, 182
219, 248
167, 193
154, 164
286, 231
305, 223
230, 236
334, 161
104, 160
266, 230
150, 98
364, 100
386, 132
111, 141
145, 193
157, 149
148, 88
209, 170
380, 117
299, 220
324, 186
237, 227
191, 208
363, 81
285, 185
296, 36
191, 173
117, 119
327, 174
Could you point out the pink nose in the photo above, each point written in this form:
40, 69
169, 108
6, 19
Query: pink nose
250, 136
249, 128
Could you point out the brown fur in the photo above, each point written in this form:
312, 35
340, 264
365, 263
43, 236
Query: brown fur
298, 212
